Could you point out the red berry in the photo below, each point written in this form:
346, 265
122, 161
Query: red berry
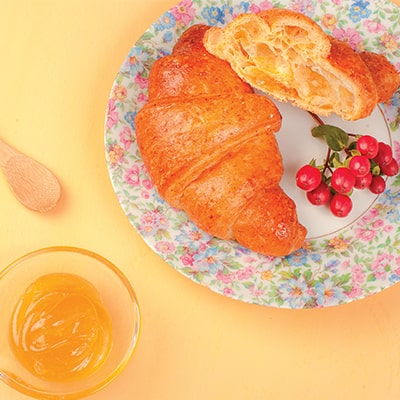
368, 146
308, 178
377, 185
390, 169
363, 182
319, 196
384, 156
342, 180
341, 205
359, 165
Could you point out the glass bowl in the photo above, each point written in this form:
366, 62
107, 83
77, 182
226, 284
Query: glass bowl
119, 300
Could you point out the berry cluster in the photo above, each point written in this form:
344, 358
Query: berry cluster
352, 162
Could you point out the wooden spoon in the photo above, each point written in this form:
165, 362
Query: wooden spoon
35, 186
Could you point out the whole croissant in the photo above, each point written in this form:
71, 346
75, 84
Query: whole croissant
287, 55
208, 144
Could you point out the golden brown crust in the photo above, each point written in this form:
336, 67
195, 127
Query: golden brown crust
208, 144
288, 56
178, 137
277, 221
384, 74
169, 76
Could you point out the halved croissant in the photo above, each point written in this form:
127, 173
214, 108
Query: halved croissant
287, 55
208, 144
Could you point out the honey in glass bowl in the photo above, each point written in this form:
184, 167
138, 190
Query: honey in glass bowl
60, 329
71, 323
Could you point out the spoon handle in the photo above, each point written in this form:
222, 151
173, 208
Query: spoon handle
6, 153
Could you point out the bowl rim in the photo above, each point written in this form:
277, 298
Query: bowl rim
34, 392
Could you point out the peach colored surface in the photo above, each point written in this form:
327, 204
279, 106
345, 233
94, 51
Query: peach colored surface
58, 61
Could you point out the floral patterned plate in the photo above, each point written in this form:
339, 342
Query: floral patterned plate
343, 259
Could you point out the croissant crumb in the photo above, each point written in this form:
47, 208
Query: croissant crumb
287, 55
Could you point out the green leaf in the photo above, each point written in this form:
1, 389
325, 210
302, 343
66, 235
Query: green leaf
307, 275
334, 160
376, 170
337, 139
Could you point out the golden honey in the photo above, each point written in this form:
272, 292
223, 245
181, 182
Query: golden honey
60, 330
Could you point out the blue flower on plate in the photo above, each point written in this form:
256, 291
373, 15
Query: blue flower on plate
327, 293
129, 117
213, 15
192, 237
359, 10
299, 257
244, 6
168, 36
132, 63
296, 292
208, 261
332, 265
393, 215
166, 21
227, 10
394, 278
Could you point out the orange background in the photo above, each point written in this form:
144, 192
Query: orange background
58, 61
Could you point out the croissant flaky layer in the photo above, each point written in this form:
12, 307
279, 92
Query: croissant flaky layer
287, 55
208, 144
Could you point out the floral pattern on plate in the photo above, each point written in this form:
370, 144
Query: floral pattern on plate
359, 260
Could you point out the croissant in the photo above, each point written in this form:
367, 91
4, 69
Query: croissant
207, 141
288, 56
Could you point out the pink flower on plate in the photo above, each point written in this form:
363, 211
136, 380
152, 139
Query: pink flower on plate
264, 5
374, 26
142, 98
396, 148
356, 291
370, 215
357, 274
365, 235
388, 228
187, 259
228, 291
165, 247
147, 184
224, 278
112, 114
132, 176
125, 137
145, 195
378, 224
245, 273
141, 81
350, 35
184, 12
379, 265
256, 291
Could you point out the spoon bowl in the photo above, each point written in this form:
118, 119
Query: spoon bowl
33, 184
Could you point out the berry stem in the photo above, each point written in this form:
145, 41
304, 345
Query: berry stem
316, 118
326, 165
319, 121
